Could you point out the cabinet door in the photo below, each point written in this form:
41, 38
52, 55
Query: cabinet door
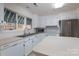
28, 46
34, 40
38, 38
41, 36
14, 50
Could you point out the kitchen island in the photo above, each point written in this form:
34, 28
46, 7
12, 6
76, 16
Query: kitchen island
57, 46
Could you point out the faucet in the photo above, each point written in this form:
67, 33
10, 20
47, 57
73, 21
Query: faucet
2, 24
28, 32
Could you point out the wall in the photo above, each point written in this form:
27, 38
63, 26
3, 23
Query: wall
77, 11
1, 12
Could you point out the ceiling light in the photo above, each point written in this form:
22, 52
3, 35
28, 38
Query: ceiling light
58, 5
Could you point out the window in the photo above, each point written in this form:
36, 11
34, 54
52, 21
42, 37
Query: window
10, 19
29, 21
20, 21
9, 16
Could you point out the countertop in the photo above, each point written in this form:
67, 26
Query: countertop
13, 39
9, 40
58, 46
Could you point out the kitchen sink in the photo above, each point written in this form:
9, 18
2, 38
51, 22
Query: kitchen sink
22, 36
26, 35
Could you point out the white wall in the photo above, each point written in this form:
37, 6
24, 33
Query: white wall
77, 11
1, 12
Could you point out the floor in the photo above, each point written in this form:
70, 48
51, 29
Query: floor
36, 54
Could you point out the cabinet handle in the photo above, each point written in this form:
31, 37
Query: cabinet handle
32, 41
23, 44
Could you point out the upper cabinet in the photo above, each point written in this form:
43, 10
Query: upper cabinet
67, 15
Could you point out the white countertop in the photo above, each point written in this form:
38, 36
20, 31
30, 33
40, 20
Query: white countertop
6, 41
58, 46
9, 40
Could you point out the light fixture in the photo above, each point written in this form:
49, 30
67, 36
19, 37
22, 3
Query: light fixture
58, 5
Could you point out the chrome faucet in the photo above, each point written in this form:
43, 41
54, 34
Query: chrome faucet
28, 32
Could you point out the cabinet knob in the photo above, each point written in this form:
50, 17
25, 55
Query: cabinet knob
32, 41
23, 44
14, 44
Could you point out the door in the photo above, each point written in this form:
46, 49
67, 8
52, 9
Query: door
14, 50
65, 28
74, 28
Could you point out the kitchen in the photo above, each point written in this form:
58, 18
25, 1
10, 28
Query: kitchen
39, 29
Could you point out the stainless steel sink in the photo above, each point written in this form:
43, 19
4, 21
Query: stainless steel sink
22, 36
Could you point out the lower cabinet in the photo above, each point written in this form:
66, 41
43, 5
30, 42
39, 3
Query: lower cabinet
32, 41
14, 50
28, 46
23, 48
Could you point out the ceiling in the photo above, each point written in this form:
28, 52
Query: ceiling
47, 9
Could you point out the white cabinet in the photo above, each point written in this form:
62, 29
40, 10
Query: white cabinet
23, 47
31, 41
35, 21
67, 15
14, 50
28, 46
